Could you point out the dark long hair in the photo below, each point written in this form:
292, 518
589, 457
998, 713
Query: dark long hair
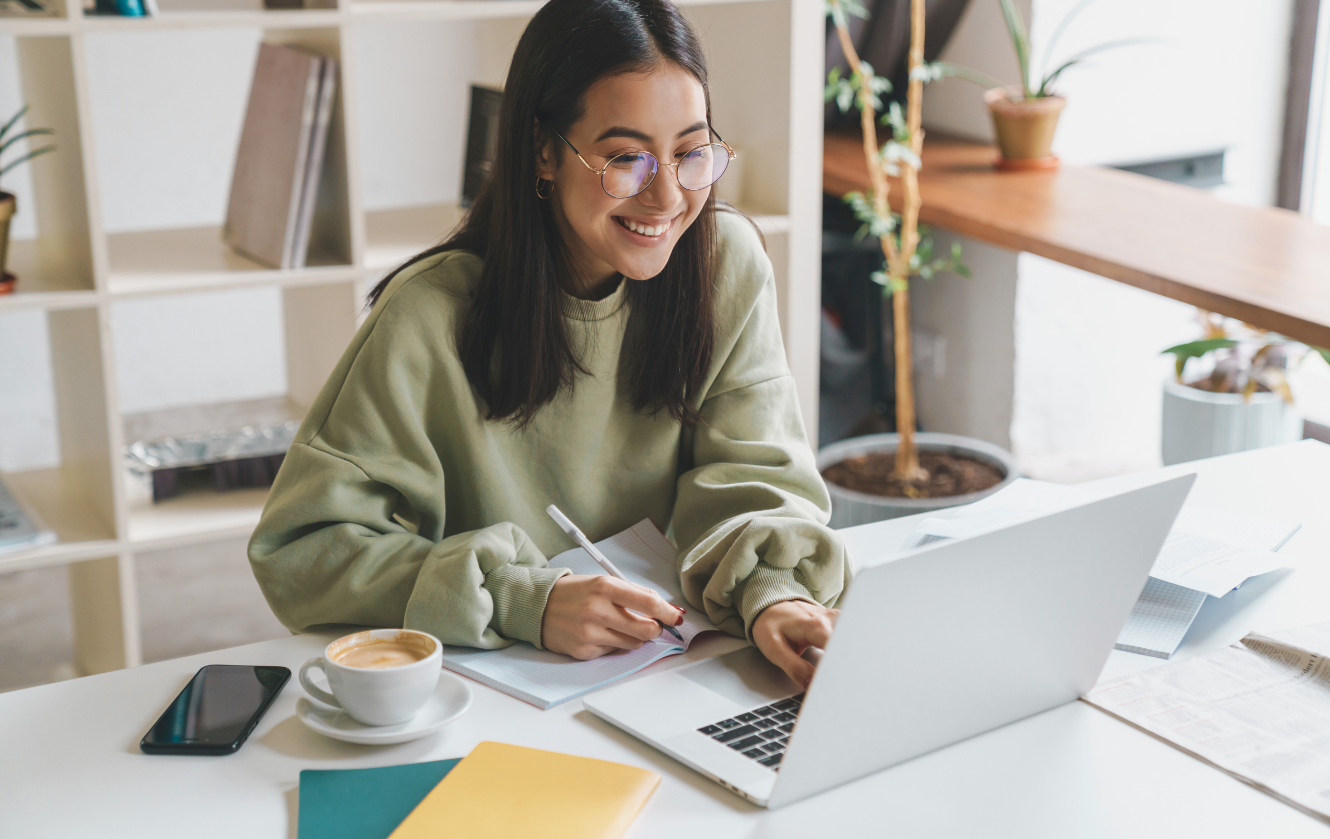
513, 342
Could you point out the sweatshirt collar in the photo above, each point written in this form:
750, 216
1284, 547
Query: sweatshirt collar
591, 310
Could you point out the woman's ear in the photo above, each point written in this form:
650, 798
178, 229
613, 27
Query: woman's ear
546, 164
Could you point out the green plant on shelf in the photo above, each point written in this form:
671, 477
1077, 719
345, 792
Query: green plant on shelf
1235, 357
7, 142
8, 203
1033, 85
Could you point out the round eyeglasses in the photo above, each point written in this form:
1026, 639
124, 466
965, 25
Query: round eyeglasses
627, 174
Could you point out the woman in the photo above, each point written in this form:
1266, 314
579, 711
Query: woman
595, 335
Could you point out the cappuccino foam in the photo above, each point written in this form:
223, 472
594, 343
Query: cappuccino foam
379, 655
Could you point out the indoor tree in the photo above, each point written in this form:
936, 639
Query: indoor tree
906, 251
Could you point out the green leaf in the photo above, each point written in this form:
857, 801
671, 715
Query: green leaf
32, 132
898, 284
943, 69
879, 277
12, 120
1323, 352
1194, 349
1062, 25
1051, 78
1020, 40
25, 158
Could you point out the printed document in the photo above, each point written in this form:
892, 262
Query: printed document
1207, 553
1259, 710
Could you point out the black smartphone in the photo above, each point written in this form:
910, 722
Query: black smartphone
216, 711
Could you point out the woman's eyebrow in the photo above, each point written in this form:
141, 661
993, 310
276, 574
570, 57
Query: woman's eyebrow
634, 134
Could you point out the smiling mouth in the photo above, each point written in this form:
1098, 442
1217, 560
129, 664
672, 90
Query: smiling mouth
651, 231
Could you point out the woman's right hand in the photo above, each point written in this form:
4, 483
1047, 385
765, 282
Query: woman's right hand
587, 616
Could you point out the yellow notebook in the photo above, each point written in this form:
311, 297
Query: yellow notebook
505, 791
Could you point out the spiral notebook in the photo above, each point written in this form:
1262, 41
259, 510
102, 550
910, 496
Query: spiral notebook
546, 679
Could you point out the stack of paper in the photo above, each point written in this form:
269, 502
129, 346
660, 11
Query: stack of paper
544, 678
1207, 553
1259, 710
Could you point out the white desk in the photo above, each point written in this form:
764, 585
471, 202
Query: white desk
70, 764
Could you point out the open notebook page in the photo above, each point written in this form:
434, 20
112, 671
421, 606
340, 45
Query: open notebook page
546, 679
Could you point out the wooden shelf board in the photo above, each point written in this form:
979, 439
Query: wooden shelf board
196, 259
275, 19
194, 517
20, 26
41, 289
393, 236
1264, 265
59, 501
392, 10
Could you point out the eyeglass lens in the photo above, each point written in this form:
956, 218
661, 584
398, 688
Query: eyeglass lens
629, 174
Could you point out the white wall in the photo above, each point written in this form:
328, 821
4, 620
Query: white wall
1085, 398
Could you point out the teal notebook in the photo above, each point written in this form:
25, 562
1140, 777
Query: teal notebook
336, 803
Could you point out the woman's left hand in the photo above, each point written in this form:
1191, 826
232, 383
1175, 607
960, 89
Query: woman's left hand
784, 630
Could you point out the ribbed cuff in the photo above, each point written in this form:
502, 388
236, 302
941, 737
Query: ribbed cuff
768, 585
519, 594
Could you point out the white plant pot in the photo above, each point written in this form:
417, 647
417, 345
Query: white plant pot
849, 508
1199, 424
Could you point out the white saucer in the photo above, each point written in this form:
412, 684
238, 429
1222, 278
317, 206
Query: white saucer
451, 698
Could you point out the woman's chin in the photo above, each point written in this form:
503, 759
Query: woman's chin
638, 271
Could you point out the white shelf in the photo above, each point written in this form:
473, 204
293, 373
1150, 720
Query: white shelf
196, 259
38, 288
408, 10
56, 497
196, 516
274, 19
80, 271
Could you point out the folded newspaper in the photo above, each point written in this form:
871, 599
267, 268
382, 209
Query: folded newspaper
1207, 553
1259, 710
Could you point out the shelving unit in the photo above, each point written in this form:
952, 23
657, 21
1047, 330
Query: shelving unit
76, 272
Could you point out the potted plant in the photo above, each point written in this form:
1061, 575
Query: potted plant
1026, 117
8, 203
882, 476
1230, 391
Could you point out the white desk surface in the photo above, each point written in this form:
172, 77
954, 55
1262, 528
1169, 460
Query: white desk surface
70, 764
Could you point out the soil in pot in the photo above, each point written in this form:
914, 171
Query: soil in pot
948, 475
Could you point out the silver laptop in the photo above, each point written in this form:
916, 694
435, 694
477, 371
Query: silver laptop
936, 645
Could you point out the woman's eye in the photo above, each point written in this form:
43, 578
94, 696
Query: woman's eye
628, 161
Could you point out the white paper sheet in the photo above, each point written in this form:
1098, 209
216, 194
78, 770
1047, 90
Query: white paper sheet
1207, 553
1259, 710
545, 678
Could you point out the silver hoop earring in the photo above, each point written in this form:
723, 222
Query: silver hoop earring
548, 192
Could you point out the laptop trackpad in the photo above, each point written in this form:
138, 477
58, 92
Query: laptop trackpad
743, 676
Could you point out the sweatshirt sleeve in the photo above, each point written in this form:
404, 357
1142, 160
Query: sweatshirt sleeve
751, 512
354, 530
328, 550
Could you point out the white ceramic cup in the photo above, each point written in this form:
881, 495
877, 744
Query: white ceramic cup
383, 696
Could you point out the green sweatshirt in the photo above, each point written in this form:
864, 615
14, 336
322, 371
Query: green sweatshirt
400, 505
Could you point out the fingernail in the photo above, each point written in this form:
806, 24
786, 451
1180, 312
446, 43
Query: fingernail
679, 622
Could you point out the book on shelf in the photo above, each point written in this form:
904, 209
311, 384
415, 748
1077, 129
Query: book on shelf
274, 188
24, 8
482, 135
20, 529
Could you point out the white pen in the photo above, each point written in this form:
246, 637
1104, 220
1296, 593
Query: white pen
603, 561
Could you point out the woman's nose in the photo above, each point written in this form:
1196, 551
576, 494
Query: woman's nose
664, 191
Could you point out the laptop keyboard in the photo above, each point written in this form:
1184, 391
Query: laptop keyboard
760, 734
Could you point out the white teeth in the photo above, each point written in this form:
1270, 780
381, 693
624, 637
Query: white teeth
645, 230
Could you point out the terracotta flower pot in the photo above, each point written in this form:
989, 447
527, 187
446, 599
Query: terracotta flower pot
7, 206
1024, 128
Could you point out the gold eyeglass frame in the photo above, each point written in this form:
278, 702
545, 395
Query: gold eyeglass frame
659, 163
